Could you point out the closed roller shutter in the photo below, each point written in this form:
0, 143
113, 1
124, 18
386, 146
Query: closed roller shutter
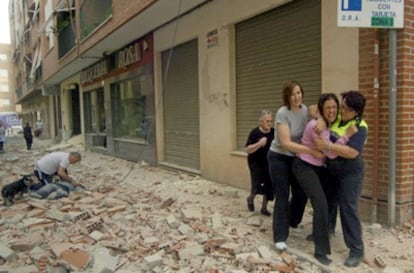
276, 46
181, 106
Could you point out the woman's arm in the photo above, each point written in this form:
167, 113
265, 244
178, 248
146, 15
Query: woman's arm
255, 146
349, 151
286, 142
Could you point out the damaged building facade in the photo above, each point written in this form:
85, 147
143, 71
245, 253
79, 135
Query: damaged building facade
180, 83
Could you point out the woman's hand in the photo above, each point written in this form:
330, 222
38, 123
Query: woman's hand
313, 111
263, 141
321, 143
320, 126
317, 154
351, 130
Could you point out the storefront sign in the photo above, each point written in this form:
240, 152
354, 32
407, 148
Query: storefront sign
129, 55
95, 71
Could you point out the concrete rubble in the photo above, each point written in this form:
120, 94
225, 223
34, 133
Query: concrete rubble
138, 218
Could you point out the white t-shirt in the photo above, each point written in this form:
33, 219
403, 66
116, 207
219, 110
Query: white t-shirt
50, 163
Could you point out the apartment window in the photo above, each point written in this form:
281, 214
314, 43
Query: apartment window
129, 110
4, 102
4, 87
92, 14
3, 57
4, 73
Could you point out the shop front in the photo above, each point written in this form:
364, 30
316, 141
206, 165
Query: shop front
118, 103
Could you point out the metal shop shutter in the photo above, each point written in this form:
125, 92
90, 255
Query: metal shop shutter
181, 105
276, 46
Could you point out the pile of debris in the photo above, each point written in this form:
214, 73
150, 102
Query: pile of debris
136, 218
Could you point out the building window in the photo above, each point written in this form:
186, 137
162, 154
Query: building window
3, 57
4, 73
4, 102
92, 14
129, 110
4, 87
94, 109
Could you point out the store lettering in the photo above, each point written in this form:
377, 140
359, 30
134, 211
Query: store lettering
95, 71
129, 55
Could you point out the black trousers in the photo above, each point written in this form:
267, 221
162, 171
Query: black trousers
29, 142
309, 177
349, 176
286, 213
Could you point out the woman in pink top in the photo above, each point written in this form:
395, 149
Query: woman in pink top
311, 173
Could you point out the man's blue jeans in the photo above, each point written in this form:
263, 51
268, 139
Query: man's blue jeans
61, 188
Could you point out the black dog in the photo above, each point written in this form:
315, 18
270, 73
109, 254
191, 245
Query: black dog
18, 188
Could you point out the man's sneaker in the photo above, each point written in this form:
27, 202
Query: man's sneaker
281, 246
52, 195
35, 195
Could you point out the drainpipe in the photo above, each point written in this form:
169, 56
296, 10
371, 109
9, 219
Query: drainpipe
374, 200
392, 125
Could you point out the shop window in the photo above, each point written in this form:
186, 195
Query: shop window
128, 110
94, 111
87, 110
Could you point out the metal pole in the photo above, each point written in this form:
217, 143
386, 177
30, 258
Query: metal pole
392, 125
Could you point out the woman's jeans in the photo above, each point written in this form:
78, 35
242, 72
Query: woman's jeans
285, 213
311, 179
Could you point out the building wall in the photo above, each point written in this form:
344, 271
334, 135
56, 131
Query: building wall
122, 11
339, 66
219, 160
10, 95
377, 149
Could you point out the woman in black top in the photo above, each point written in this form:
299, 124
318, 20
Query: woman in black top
257, 145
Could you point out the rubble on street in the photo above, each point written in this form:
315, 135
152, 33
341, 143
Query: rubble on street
138, 218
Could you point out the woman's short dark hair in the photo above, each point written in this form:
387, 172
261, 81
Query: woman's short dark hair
287, 91
354, 100
325, 97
